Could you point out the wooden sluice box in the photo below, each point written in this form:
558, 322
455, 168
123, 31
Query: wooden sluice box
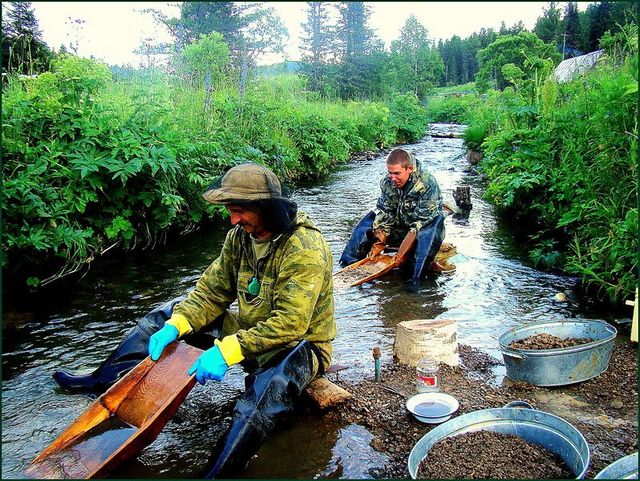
122, 421
369, 269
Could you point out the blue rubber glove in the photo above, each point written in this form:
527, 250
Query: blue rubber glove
210, 365
161, 339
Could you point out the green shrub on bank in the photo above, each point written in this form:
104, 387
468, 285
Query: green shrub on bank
408, 118
82, 172
90, 164
474, 135
450, 108
567, 167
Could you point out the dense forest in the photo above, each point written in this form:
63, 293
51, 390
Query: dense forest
100, 158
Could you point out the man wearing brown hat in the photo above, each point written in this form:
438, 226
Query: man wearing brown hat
277, 266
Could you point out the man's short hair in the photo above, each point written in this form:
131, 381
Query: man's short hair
400, 156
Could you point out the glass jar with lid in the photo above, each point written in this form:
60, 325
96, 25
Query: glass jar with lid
427, 379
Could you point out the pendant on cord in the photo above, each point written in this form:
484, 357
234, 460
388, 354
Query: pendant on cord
254, 286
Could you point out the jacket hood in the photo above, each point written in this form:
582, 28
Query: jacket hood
303, 219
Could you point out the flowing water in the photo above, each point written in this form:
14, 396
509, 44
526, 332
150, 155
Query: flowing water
492, 290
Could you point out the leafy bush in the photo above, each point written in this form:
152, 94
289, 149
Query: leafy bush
81, 173
90, 164
526, 55
320, 143
205, 59
450, 108
474, 135
567, 166
408, 117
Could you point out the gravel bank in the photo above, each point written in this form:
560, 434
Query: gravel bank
604, 409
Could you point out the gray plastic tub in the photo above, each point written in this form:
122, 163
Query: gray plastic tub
623, 468
538, 427
557, 367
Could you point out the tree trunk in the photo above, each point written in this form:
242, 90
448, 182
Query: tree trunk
436, 338
462, 196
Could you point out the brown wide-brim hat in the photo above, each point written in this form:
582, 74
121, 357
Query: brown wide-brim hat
244, 183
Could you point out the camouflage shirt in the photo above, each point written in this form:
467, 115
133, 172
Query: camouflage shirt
295, 301
412, 207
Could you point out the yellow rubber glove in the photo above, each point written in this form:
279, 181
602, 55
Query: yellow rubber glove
230, 349
180, 323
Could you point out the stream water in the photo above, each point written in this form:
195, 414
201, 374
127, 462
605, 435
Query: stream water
493, 289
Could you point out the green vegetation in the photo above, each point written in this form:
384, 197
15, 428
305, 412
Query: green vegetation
562, 159
474, 136
450, 108
89, 163
512, 58
98, 157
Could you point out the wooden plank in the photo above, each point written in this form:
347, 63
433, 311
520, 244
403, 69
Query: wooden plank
121, 422
326, 394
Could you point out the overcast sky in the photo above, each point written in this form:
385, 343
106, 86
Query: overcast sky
112, 30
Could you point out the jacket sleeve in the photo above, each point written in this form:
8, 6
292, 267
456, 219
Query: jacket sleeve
428, 205
387, 207
215, 290
295, 294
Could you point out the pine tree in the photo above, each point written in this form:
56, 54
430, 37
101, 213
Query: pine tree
354, 35
572, 31
316, 44
23, 50
598, 22
487, 37
456, 57
355, 40
548, 27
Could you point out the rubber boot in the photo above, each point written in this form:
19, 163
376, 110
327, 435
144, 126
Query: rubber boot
271, 393
430, 239
132, 350
359, 243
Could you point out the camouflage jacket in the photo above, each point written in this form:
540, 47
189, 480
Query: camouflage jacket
295, 301
412, 207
